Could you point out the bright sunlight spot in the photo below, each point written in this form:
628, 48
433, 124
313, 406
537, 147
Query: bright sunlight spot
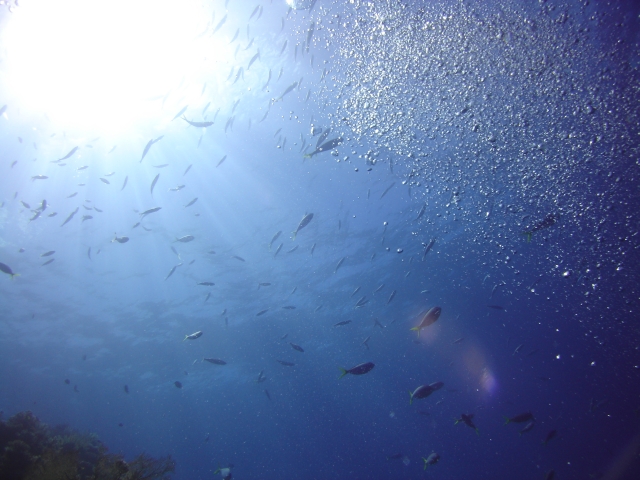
96, 65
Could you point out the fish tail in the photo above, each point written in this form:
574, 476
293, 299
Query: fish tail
306, 155
185, 337
528, 235
425, 463
457, 421
506, 420
417, 329
294, 234
344, 372
477, 431
14, 275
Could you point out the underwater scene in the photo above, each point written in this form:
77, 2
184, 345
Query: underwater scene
319, 239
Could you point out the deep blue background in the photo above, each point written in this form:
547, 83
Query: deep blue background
551, 127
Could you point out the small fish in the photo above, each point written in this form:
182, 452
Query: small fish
188, 168
48, 262
262, 312
263, 284
266, 392
39, 177
296, 347
253, 59
73, 150
89, 253
206, 284
457, 340
221, 160
289, 89
354, 292
150, 211
293, 249
278, 250
551, 435
309, 35
468, 421
184, 109
25, 204
126, 389
238, 258
154, 166
191, 202
104, 180
547, 222
340, 262
518, 348
275, 237
177, 384
284, 47
344, 322
365, 342
48, 254
193, 336
120, 239
71, 215
172, 270
325, 147
393, 294
220, 24
527, 428
261, 377
358, 369
177, 189
429, 318
430, 460
7, 269
126, 179
97, 209
86, 217
387, 190
148, 146
153, 183
286, 364
379, 288
185, 239
198, 124
313, 247
215, 361
303, 223
521, 418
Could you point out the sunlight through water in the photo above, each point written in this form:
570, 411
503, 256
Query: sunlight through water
89, 65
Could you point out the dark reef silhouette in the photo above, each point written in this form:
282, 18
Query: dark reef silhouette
32, 450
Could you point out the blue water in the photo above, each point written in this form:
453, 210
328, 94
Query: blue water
491, 117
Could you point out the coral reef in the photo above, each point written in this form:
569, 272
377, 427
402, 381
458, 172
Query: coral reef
31, 450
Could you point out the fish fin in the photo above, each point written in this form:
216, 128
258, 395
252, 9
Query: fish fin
306, 155
294, 235
14, 275
425, 463
410, 397
506, 420
417, 329
185, 337
344, 372
477, 431
528, 235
